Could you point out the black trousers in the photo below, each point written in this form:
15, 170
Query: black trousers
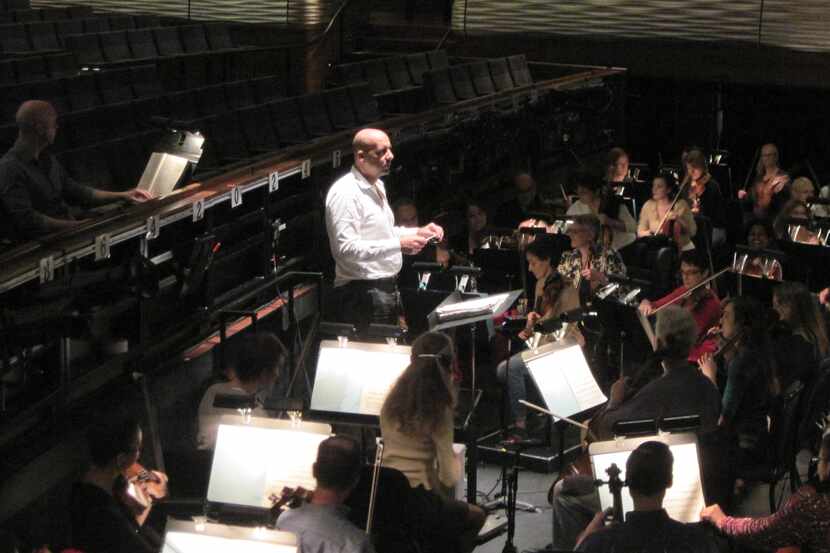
365, 302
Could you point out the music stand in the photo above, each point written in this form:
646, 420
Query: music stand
756, 280
183, 536
352, 380
250, 463
684, 499
632, 327
173, 155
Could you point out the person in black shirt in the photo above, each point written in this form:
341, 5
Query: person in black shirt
34, 188
526, 200
104, 510
648, 473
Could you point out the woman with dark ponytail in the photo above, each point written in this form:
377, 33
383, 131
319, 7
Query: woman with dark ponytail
416, 423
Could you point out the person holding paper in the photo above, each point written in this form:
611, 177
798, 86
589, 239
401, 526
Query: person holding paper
322, 524
416, 423
365, 243
803, 521
648, 474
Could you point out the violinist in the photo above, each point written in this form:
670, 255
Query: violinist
660, 216
787, 231
702, 303
617, 167
107, 510
588, 264
618, 226
770, 189
741, 370
704, 194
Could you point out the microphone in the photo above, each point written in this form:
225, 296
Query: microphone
572, 316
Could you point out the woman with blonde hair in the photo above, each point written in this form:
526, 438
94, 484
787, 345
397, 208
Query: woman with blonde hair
416, 422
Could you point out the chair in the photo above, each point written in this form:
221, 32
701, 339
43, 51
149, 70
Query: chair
42, 36
12, 5
417, 65
340, 108
53, 92
25, 16
77, 11
171, 73
438, 59
180, 106
519, 70
86, 48
258, 130
115, 86
167, 41
238, 94
462, 84
66, 27
500, 74
398, 73
31, 69
7, 73
218, 37
348, 73
142, 44
482, 82
145, 21
315, 115
365, 105
13, 39
82, 92
120, 119
375, 71
61, 65
115, 47
144, 109
265, 89
285, 116
438, 86
53, 14
145, 79
211, 100
96, 25
8, 134
11, 98
196, 70
194, 38
232, 145
121, 23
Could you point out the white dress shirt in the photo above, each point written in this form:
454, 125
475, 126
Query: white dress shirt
365, 242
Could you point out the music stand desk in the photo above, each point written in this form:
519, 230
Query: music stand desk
183, 536
436, 324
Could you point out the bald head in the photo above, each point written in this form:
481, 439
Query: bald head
372, 153
37, 120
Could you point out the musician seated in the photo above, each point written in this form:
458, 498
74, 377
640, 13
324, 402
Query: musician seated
681, 390
648, 474
552, 298
617, 167
703, 193
406, 213
802, 522
254, 365
107, 510
770, 188
416, 422
612, 213
702, 303
741, 371
659, 217
473, 236
34, 188
322, 524
786, 231
525, 201
803, 190
588, 262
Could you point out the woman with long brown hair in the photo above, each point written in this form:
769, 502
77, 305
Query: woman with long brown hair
416, 423
704, 194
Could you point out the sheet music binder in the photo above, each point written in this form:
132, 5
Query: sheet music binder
684, 499
564, 379
183, 536
250, 461
456, 311
352, 381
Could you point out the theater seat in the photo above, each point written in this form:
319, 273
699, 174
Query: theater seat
25, 16
7, 73
417, 65
340, 108
86, 48
67, 27
438, 59
115, 86
438, 86
53, 14
13, 39
171, 73
181, 106
115, 47
53, 92
266, 89
500, 74
145, 81
375, 71
482, 82
219, 37
232, 144
259, 132
77, 11
61, 65
364, 103
167, 41
96, 25
519, 70
315, 115
42, 36
121, 23
142, 44
285, 116
349, 73
193, 38
462, 84
239, 94
398, 73
82, 92
31, 69
211, 100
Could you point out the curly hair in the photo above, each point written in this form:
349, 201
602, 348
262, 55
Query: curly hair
424, 392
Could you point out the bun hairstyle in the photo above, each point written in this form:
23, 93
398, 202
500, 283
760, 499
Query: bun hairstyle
424, 393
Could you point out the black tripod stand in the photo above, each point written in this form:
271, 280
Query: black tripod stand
511, 485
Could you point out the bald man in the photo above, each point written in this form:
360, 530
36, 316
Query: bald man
366, 245
34, 188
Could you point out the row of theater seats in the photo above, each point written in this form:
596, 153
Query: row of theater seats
470, 80
31, 69
28, 15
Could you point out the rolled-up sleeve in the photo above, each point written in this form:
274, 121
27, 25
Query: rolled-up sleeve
343, 220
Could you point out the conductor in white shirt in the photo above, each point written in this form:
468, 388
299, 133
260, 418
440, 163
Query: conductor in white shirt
366, 245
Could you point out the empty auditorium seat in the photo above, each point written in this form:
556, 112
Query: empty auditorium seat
10, 99
285, 116
180, 106
115, 86
462, 84
42, 36
258, 130
399, 76
53, 92
61, 65
500, 74
142, 44
25, 16
53, 14
195, 70
66, 27
349, 73
375, 72
437, 59
96, 25
519, 70
121, 23
193, 38
238, 94
417, 65
171, 73
145, 21
8, 134
340, 108
482, 82
115, 47
12, 5
438, 85
13, 39
145, 79
167, 41
86, 48
218, 36
31, 69
231, 141
145, 109
315, 115
211, 100
82, 92
365, 105
77, 11
7, 73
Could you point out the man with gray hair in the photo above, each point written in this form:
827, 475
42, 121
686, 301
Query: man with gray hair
34, 187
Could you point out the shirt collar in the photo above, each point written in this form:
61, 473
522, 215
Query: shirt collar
646, 517
363, 183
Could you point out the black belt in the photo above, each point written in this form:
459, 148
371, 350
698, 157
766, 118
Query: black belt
385, 284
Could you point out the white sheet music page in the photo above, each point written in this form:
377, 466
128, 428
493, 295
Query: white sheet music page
183, 542
565, 380
475, 305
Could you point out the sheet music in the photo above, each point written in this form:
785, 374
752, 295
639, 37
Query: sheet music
683, 501
475, 305
565, 381
250, 463
185, 542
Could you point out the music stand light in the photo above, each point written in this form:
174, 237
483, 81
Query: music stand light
206, 537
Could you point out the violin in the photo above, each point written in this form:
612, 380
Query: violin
289, 498
139, 489
696, 190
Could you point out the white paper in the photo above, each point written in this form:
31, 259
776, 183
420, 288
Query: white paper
474, 305
683, 501
565, 381
180, 542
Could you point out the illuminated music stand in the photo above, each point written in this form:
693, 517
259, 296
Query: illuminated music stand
171, 162
684, 499
205, 537
352, 380
752, 280
250, 463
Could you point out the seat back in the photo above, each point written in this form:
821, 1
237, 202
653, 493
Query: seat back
462, 84
519, 70
438, 86
500, 74
417, 65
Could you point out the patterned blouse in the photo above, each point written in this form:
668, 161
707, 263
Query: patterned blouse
609, 262
804, 521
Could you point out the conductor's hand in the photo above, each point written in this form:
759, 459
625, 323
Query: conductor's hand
413, 243
431, 231
136, 195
